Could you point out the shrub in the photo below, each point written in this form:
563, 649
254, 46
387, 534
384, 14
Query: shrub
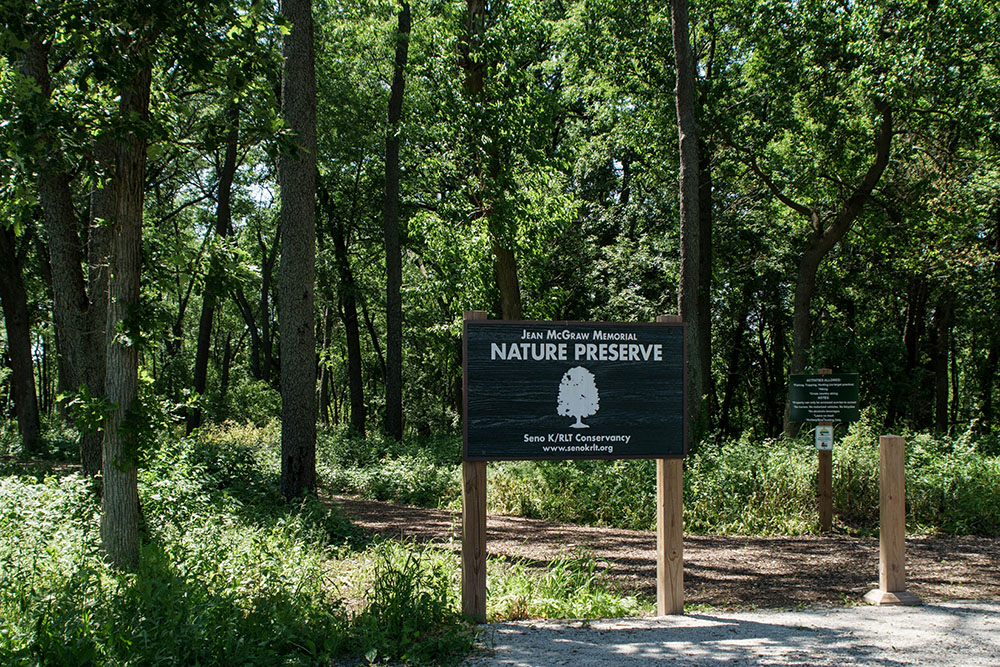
412, 612
569, 587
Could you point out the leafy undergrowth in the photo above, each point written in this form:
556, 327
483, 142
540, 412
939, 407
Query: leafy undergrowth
739, 486
568, 587
231, 574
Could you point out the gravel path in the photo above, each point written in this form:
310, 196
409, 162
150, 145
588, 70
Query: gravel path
935, 635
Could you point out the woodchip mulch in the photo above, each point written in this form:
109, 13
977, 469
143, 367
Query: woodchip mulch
724, 571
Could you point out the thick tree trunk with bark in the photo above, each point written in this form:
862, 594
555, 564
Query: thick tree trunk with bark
78, 315
98, 251
120, 498
393, 253
296, 273
14, 299
689, 297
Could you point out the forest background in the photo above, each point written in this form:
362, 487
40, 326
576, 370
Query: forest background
518, 157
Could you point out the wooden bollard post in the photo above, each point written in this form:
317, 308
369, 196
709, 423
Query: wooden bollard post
824, 482
669, 529
474, 528
892, 526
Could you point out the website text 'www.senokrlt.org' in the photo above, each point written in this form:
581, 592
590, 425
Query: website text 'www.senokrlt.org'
588, 449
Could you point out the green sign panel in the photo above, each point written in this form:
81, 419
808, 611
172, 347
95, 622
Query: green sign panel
571, 390
823, 398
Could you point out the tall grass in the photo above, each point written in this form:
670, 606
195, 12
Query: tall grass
228, 574
742, 485
231, 574
568, 587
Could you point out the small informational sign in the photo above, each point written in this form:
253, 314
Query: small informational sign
824, 437
823, 398
571, 390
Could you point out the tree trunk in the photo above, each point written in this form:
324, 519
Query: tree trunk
120, 498
943, 312
251, 326
223, 222
324, 370
505, 262
733, 370
705, 282
352, 331
393, 253
227, 363
347, 290
688, 300
77, 318
14, 300
270, 366
823, 239
296, 273
991, 371
373, 335
98, 250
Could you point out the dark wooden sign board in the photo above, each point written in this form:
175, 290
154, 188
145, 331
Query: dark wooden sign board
831, 397
522, 384
573, 390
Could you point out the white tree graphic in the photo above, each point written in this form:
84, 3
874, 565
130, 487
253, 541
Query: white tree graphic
578, 395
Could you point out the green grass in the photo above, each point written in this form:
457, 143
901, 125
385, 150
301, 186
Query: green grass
228, 574
568, 587
738, 486
231, 574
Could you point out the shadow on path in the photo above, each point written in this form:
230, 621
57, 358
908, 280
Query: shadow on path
935, 635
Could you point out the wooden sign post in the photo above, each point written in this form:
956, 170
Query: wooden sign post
669, 529
824, 482
892, 526
474, 527
573, 390
825, 399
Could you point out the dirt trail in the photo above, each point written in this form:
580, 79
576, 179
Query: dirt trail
730, 572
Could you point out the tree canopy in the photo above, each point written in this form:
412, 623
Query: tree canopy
848, 201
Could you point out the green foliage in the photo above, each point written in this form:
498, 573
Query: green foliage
86, 410
228, 574
412, 611
751, 487
952, 485
743, 486
611, 493
568, 587
417, 471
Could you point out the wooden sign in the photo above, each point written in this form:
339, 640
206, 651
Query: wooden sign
829, 397
571, 390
